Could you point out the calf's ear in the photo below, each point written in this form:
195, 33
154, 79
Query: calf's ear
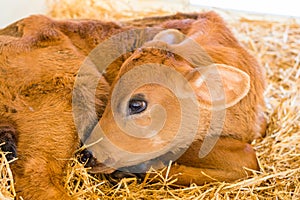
219, 86
170, 36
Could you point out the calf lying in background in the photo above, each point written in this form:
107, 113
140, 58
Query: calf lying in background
40, 59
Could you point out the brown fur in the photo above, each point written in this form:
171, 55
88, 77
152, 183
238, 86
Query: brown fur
39, 60
224, 163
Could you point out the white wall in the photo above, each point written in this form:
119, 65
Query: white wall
289, 8
12, 10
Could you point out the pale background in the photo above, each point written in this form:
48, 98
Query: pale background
12, 10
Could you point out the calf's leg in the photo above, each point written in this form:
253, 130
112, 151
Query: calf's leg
225, 162
47, 140
41, 179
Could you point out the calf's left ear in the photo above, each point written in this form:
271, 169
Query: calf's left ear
219, 86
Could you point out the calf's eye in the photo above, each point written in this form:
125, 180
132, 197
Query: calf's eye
136, 106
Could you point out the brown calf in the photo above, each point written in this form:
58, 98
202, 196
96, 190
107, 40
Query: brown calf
228, 84
39, 61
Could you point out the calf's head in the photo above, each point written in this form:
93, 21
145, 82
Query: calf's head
161, 100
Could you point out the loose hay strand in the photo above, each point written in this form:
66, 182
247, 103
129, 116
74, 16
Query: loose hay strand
7, 189
276, 44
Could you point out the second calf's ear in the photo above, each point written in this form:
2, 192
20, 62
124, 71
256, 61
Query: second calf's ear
219, 86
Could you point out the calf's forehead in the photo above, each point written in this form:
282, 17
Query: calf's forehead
155, 56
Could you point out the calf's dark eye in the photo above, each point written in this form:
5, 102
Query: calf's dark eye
136, 106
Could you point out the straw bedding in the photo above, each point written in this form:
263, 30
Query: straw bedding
276, 44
